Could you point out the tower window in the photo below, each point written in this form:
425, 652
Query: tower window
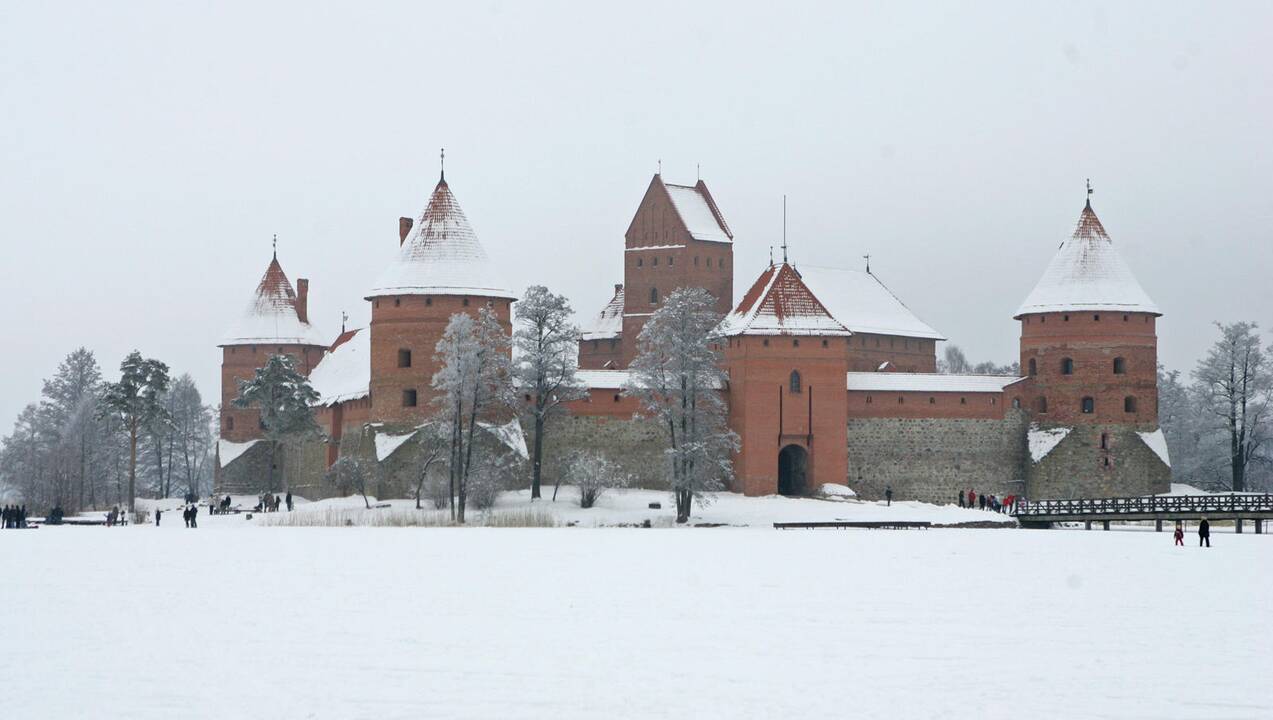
766, 342
1016, 403
616, 397
1096, 318
671, 260
404, 358
1120, 366
465, 303
408, 398
963, 401
1088, 406
1066, 318
695, 261
1034, 367
655, 261
1041, 405
1106, 460
229, 423
900, 399
824, 343
932, 401
428, 301
795, 381
1067, 366
709, 262
795, 342
1129, 404
640, 262
1124, 318
654, 296
1104, 441
397, 302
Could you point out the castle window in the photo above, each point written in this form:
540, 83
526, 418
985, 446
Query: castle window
1106, 460
932, 401
640, 262
1016, 403
994, 401
655, 261
654, 296
408, 398
1124, 318
824, 343
465, 303
1034, 367
229, 423
695, 261
1066, 318
1129, 404
404, 358
1096, 318
397, 302
795, 342
963, 401
1043, 319
616, 397
1104, 441
1120, 366
900, 399
868, 399
671, 260
709, 262
795, 381
428, 301
1088, 406
1041, 405
766, 342
1067, 366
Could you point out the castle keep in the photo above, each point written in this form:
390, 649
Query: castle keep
832, 379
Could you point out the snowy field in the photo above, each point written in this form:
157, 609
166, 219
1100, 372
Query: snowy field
236, 620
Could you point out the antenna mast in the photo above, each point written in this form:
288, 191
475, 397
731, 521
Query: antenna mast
784, 229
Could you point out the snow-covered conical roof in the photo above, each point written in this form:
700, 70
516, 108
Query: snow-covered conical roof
441, 256
779, 303
1087, 273
271, 317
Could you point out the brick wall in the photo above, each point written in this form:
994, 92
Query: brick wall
866, 352
595, 354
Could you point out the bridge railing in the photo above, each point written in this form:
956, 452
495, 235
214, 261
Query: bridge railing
1165, 504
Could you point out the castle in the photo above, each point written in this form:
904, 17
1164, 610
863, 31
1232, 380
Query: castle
832, 379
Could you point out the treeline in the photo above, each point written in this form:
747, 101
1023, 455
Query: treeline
74, 447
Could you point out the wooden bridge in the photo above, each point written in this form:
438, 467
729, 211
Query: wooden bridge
1235, 507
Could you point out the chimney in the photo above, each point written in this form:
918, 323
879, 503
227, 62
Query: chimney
618, 288
302, 299
404, 229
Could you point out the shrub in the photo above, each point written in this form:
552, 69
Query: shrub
593, 474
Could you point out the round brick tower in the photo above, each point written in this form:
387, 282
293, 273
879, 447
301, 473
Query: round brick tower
441, 269
276, 322
1089, 349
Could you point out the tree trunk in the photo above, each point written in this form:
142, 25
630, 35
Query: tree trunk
683, 500
269, 483
132, 469
538, 459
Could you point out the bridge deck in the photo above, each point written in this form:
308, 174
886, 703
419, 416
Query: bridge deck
1168, 507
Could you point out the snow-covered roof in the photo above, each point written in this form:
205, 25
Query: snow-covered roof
1043, 440
1157, 442
699, 213
387, 444
609, 322
861, 303
344, 373
928, 382
602, 379
228, 452
441, 256
779, 303
271, 317
1087, 273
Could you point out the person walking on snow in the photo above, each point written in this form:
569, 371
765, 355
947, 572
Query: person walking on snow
1204, 533
194, 516
888, 496
158, 514
1180, 534
289, 500
961, 498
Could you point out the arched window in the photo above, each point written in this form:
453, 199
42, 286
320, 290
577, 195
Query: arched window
795, 381
1120, 366
654, 296
1041, 404
1067, 366
1129, 404
1016, 403
1034, 367
1088, 406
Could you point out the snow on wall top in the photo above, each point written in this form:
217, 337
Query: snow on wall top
344, 373
1157, 442
441, 256
386, 444
228, 452
510, 433
271, 317
1087, 273
697, 212
609, 322
779, 303
1043, 441
861, 303
928, 382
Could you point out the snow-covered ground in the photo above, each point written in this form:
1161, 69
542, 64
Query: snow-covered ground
237, 620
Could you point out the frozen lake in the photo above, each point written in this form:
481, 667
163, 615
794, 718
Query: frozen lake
234, 620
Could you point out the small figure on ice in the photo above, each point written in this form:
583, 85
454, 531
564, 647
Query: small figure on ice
1180, 534
1204, 533
888, 495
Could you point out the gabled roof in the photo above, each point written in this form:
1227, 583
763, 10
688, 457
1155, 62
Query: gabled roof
698, 211
779, 303
1087, 273
441, 256
609, 322
860, 302
271, 318
344, 373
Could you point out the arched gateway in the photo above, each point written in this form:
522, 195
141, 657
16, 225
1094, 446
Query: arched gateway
793, 467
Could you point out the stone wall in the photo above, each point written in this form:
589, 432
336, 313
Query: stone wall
636, 445
932, 459
295, 467
1077, 467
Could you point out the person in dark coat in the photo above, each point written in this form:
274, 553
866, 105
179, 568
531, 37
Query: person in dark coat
888, 495
961, 498
288, 499
981, 502
5, 515
194, 516
185, 515
158, 514
1204, 533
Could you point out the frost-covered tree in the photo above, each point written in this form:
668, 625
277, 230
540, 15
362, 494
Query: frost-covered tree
191, 438
1235, 382
135, 402
69, 404
955, 362
473, 380
352, 473
677, 378
433, 445
594, 473
285, 399
546, 349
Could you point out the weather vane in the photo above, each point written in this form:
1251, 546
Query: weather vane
660, 166
442, 163
275, 246
867, 258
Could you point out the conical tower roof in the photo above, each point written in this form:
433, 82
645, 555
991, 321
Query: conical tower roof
779, 303
271, 317
441, 256
1087, 274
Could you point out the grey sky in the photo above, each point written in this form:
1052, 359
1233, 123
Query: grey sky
148, 152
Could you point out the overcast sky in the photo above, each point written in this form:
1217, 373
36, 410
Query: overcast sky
149, 151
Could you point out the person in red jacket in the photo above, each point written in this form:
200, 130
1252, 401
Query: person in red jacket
1180, 534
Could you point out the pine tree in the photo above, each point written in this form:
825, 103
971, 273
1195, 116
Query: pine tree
135, 402
546, 346
285, 399
677, 377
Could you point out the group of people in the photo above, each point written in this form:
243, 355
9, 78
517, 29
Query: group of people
116, 517
986, 502
271, 503
1204, 533
190, 514
15, 517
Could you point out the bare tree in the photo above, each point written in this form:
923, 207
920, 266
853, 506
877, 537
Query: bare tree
433, 444
546, 347
1234, 380
678, 379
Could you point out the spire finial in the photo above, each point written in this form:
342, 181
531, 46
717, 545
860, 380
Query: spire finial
784, 229
275, 243
771, 256
867, 258
660, 172
1089, 193
344, 316
442, 164
698, 172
